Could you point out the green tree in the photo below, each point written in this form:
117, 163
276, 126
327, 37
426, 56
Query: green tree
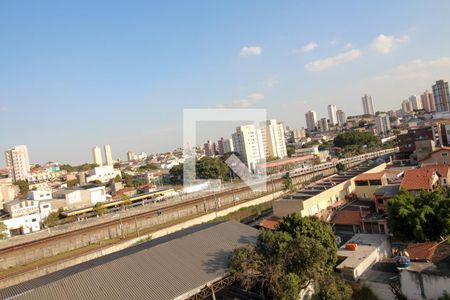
3, 229
72, 182
355, 140
290, 150
176, 174
99, 209
117, 179
340, 167
284, 262
52, 219
148, 167
116, 165
333, 288
420, 218
23, 186
126, 201
287, 182
211, 168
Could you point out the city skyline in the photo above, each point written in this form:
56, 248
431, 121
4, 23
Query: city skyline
70, 79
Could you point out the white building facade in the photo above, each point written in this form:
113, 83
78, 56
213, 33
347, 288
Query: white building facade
248, 142
18, 162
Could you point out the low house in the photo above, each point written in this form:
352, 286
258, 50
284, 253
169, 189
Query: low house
360, 253
428, 275
366, 184
23, 224
416, 180
440, 156
383, 194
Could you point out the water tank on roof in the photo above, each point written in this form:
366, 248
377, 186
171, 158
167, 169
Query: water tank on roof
402, 261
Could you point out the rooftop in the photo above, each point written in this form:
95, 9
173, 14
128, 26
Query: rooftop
418, 179
175, 266
388, 191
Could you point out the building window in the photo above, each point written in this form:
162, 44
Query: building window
33, 220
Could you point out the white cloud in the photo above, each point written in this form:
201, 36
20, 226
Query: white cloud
326, 63
384, 44
347, 46
418, 69
271, 82
309, 47
248, 101
250, 50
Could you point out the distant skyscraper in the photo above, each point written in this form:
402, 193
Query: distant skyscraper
130, 155
332, 114
248, 142
273, 138
427, 100
341, 117
323, 124
97, 155
108, 155
228, 145
210, 148
311, 120
298, 134
406, 106
18, 162
441, 96
415, 102
367, 104
221, 146
382, 124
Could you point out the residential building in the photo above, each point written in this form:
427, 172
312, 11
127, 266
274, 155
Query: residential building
248, 142
428, 102
311, 120
406, 106
97, 156
441, 96
108, 155
18, 162
136, 156
367, 105
104, 174
228, 145
382, 124
332, 114
81, 196
8, 191
130, 155
210, 148
416, 180
273, 139
221, 146
23, 224
298, 134
416, 102
440, 156
323, 124
341, 117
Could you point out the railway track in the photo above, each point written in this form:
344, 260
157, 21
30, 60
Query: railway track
172, 206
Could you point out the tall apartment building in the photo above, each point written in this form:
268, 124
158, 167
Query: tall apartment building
210, 148
97, 155
323, 124
273, 139
406, 106
382, 124
228, 145
221, 146
108, 155
415, 101
367, 104
248, 142
332, 114
441, 96
311, 120
341, 117
298, 134
427, 100
18, 162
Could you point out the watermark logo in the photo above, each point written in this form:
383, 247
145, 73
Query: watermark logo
249, 167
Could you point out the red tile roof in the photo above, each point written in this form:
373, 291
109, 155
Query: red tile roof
418, 179
442, 170
370, 176
349, 217
422, 251
270, 223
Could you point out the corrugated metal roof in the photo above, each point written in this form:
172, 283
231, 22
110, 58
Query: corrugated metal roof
165, 268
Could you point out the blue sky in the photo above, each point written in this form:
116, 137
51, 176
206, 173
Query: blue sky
83, 73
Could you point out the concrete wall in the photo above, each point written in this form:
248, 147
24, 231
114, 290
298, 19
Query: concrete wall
9, 281
413, 284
